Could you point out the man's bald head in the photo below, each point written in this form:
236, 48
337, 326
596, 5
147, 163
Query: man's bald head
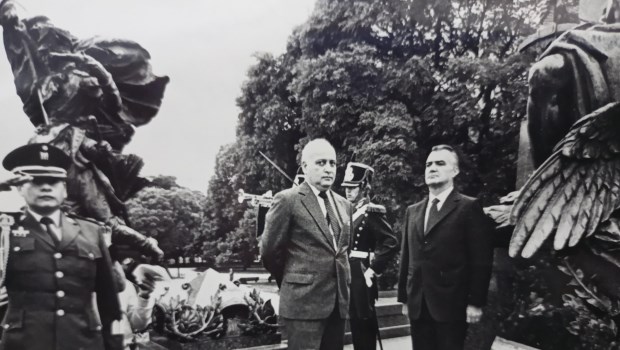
318, 160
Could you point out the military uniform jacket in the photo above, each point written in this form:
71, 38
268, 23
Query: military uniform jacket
50, 288
371, 234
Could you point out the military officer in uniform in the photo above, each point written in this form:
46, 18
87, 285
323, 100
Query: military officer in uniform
373, 246
54, 266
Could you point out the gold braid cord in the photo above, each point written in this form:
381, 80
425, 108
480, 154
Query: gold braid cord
6, 221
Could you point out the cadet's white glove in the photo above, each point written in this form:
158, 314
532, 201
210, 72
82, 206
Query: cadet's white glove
368, 275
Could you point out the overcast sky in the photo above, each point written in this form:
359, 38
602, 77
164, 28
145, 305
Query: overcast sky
204, 46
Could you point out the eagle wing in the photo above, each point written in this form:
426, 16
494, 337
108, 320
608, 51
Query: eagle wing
575, 189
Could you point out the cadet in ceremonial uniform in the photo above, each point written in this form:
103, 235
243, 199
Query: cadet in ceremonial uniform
373, 245
54, 264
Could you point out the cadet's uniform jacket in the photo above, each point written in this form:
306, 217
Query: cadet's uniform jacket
371, 234
298, 249
51, 288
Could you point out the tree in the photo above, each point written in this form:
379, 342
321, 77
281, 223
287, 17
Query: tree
171, 215
164, 182
383, 81
241, 245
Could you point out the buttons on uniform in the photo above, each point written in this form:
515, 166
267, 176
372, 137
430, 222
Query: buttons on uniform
59, 274
60, 312
57, 255
60, 294
91, 256
358, 235
360, 228
98, 328
16, 249
6, 326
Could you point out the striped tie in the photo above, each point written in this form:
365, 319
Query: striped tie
331, 217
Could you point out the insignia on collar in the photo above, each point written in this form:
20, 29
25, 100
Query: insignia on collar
20, 232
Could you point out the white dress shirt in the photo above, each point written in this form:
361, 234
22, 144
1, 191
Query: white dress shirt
442, 199
55, 216
324, 210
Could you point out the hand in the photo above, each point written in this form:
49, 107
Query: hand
16, 180
122, 234
474, 314
368, 275
405, 310
146, 276
104, 146
151, 246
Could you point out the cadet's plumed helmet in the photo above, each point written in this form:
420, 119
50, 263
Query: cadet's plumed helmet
357, 174
38, 160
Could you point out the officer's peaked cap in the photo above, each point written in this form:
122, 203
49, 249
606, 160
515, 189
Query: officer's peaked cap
38, 160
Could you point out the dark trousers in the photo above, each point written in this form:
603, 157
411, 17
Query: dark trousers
364, 333
428, 334
324, 334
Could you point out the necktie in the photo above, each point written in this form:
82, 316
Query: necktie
331, 217
433, 214
48, 223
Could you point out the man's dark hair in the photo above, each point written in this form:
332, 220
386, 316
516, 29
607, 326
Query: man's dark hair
449, 149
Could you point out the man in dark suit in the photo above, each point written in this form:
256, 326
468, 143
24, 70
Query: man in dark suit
373, 246
446, 259
304, 246
55, 264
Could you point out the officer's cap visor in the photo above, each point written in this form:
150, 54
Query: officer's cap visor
350, 184
37, 171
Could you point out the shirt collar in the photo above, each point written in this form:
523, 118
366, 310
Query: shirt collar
315, 190
442, 196
55, 216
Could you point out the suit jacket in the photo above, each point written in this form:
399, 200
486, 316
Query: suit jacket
50, 288
450, 266
297, 249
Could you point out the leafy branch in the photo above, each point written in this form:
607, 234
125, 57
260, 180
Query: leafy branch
262, 317
186, 322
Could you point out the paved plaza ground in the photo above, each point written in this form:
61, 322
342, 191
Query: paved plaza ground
401, 343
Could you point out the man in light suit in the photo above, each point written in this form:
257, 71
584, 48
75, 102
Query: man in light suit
304, 246
446, 259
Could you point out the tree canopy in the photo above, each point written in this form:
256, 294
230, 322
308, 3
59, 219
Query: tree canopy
171, 214
383, 81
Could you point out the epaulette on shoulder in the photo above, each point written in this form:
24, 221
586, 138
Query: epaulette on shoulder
10, 218
83, 218
376, 208
11, 213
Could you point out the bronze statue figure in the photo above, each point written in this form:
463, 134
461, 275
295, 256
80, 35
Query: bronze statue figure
574, 127
86, 97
